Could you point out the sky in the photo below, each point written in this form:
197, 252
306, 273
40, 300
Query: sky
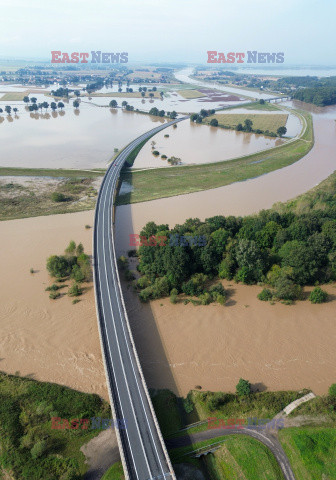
170, 31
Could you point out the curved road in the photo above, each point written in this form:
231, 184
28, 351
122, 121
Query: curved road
142, 448
265, 437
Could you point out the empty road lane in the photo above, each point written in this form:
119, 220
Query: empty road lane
142, 448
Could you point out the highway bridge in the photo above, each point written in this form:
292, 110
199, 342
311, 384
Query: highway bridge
143, 451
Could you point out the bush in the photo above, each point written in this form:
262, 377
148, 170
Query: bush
52, 288
122, 262
54, 295
214, 122
318, 295
205, 298
143, 282
332, 390
129, 276
77, 274
217, 400
218, 293
243, 388
31, 270
75, 290
156, 153
146, 294
58, 197
195, 286
265, 295
38, 449
188, 404
173, 299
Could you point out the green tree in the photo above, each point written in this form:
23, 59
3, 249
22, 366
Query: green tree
302, 259
59, 105
318, 295
75, 103
248, 125
282, 131
26, 99
8, 109
113, 104
53, 106
58, 266
214, 122
243, 388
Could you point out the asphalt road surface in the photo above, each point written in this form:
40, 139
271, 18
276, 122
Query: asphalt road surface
265, 436
142, 448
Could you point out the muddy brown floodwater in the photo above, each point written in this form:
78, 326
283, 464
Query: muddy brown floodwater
241, 198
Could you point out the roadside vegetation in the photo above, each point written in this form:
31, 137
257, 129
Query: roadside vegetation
30, 448
30, 198
114, 473
311, 452
242, 457
160, 183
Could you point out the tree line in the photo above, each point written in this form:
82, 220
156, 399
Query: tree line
283, 251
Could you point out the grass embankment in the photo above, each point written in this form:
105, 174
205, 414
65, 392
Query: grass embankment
49, 172
32, 199
30, 448
190, 94
244, 458
237, 457
114, 473
270, 122
228, 405
321, 197
168, 182
311, 452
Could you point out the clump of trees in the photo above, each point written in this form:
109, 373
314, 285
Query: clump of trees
74, 265
284, 251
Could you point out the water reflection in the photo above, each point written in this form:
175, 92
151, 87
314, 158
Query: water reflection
84, 138
195, 144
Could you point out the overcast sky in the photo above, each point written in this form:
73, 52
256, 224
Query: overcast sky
170, 31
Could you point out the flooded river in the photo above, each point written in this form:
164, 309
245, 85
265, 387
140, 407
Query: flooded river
241, 198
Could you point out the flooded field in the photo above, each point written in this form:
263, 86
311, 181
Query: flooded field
196, 144
240, 198
83, 138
